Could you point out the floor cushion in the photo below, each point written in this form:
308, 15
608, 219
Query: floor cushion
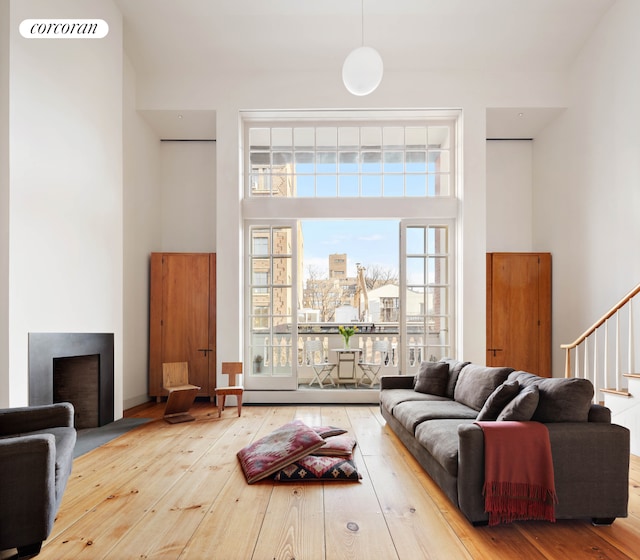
281, 447
314, 467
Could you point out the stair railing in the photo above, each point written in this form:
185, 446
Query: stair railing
590, 345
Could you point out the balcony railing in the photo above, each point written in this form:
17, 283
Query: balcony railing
277, 356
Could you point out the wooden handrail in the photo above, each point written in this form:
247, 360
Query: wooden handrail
602, 320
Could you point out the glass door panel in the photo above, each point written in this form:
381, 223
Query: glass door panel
271, 297
426, 292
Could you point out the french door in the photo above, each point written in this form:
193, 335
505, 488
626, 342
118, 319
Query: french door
426, 292
274, 286
271, 278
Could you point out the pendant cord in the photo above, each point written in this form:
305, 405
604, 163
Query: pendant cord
362, 22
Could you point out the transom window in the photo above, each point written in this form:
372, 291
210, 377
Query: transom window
388, 160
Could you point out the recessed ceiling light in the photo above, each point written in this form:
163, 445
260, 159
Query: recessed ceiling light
521, 115
179, 116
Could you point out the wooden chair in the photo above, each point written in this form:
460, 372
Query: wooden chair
231, 369
314, 355
175, 379
371, 369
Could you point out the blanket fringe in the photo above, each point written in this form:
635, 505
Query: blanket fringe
510, 501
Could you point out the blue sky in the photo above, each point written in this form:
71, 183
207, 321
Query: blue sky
369, 242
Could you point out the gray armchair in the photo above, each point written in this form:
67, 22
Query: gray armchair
36, 456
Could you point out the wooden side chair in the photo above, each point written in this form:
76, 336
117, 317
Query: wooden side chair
314, 353
232, 369
175, 379
378, 358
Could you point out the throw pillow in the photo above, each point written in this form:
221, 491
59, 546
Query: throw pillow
327, 431
337, 446
432, 378
522, 407
561, 399
455, 367
278, 449
564, 400
498, 400
313, 467
476, 383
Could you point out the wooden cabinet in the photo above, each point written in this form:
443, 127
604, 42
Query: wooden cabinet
519, 311
182, 318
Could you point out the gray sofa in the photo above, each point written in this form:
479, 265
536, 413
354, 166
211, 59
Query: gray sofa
36, 456
433, 414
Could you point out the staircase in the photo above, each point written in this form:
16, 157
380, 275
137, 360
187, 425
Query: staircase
605, 354
625, 409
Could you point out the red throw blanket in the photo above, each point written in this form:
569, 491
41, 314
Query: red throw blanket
519, 481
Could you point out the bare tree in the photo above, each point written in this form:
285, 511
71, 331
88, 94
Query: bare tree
321, 293
376, 276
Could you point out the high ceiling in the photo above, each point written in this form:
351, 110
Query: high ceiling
170, 37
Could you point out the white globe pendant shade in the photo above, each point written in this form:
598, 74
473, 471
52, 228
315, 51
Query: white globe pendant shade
362, 71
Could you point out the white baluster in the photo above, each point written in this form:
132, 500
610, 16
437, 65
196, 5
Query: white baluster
595, 361
631, 364
586, 358
605, 363
617, 370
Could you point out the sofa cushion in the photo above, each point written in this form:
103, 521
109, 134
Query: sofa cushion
391, 397
522, 406
455, 367
561, 399
497, 400
440, 439
412, 413
476, 383
432, 378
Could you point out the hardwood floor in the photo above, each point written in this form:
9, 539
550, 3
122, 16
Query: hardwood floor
177, 491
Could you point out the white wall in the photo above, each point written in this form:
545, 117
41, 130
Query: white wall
142, 235
509, 196
188, 186
587, 180
4, 204
66, 228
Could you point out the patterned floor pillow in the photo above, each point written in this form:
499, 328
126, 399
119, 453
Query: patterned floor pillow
328, 431
316, 468
337, 446
278, 449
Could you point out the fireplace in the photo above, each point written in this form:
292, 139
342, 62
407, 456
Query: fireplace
77, 368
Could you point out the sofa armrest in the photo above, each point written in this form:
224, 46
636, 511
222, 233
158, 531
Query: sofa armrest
599, 413
590, 463
27, 489
591, 468
32, 418
396, 382
471, 472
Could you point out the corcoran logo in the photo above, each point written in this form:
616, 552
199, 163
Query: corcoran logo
64, 28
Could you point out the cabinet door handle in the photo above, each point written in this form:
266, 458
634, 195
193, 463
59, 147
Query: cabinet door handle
494, 350
205, 350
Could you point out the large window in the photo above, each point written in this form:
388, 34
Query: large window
413, 160
345, 179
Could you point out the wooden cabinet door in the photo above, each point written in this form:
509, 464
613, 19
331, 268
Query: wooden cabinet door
519, 311
183, 317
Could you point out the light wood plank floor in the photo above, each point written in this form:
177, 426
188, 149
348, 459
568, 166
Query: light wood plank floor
177, 491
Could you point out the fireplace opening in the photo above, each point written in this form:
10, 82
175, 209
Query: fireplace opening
76, 368
76, 380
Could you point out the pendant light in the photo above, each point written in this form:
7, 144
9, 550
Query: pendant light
362, 69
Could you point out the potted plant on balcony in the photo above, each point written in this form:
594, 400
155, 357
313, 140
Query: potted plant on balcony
257, 363
347, 333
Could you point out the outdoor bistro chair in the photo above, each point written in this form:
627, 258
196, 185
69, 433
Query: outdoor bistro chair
378, 358
314, 354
